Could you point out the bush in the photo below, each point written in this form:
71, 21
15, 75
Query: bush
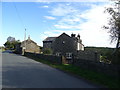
116, 57
105, 59
47, 51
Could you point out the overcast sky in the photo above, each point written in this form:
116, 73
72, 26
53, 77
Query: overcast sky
49, 19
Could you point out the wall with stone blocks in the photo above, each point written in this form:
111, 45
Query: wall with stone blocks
109, 69
87, 55
51, 58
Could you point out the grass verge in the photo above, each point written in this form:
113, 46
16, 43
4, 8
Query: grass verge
95, 77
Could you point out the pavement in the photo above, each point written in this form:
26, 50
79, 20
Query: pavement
22, 72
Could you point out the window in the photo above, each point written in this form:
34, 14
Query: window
78, 46
58, 54
63, 42
69, 55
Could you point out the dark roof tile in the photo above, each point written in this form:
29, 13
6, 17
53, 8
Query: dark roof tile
50, 39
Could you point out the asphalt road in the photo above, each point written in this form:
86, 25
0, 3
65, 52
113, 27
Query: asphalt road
22, 72
0, 69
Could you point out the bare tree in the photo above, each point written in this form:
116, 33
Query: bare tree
114, 30
114, 23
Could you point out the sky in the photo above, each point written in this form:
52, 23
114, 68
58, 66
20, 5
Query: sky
51, 19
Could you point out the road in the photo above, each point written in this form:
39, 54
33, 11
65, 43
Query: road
22, 72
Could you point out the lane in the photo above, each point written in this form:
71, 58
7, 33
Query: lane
0, 69
22, 72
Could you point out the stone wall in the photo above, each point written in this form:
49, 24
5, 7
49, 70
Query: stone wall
87, 55
53, 59
109, 69
89, 64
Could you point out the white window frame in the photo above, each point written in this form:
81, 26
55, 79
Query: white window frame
58, 54
69, 55
82, 47
78, 46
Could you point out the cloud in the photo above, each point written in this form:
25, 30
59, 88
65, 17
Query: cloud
90, 28
89, 38
68, 4
62, 10
45, 6
64, 26
70, 22
50, 17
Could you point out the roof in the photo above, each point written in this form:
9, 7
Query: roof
64, 34
28, 41
49, 39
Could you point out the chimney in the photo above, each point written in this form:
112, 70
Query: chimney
78, 36
29, 38
73, 35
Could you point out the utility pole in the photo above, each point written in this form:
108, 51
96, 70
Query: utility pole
25, 38
24, 46
119, 7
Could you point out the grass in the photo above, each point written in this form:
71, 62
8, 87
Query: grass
95, 77
2, 49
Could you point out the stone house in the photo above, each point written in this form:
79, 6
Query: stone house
70, 48
48, 42
64, 45
67, 45
30, 46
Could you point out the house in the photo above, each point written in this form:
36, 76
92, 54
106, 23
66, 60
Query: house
70, 48
48, 42
64, 44
67, 45
30, 46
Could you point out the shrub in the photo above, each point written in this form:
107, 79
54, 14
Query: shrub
105, 59
116, 57
47, 51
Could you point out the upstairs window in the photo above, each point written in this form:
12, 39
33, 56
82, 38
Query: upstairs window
63, 42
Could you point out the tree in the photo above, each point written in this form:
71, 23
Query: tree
114, 23
114, 28
11, 45
11, 39
8, 45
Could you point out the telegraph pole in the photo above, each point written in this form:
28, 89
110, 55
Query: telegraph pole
24, 46
25, 39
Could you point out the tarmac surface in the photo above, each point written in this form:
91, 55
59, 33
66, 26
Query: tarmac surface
22, 72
